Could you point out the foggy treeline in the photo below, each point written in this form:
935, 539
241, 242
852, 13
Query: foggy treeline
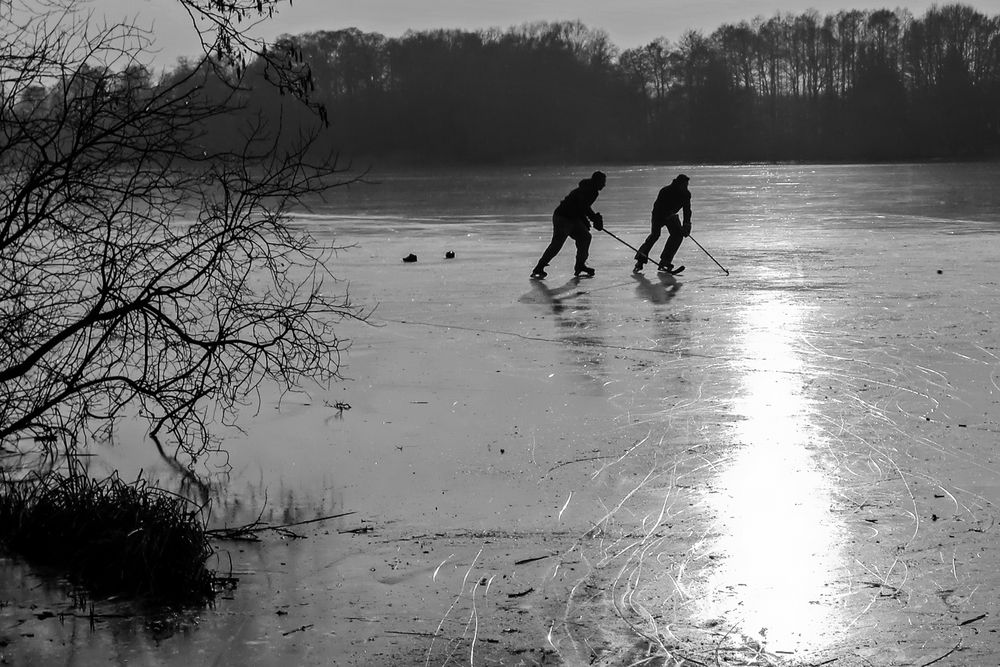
855, 85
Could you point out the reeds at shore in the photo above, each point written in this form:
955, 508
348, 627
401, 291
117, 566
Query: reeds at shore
108, 536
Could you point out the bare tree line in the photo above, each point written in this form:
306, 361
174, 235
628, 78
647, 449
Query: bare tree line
851, 85
855, 85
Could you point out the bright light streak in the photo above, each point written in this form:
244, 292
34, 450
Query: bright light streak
778, 544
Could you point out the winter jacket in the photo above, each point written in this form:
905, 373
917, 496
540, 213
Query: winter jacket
671, 199
577, 204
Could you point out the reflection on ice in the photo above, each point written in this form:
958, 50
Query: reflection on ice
778, 546
662, 291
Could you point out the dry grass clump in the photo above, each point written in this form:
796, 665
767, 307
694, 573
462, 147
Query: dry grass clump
110, 537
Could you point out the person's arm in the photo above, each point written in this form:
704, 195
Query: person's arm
592, 215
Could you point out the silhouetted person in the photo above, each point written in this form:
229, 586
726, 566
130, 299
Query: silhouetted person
572, 219
669, 201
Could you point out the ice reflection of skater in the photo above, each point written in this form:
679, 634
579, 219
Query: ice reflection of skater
542, 293
661, 291
572, 219
578, 324
670, 199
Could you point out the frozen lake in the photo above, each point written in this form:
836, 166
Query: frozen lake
792, 464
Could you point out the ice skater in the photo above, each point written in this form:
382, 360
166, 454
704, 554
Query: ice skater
669, 201
572, 219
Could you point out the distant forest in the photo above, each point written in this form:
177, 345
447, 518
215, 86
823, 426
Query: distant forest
856, 85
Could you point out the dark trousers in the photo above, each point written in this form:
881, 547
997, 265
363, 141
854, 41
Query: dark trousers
563, 228
676, 235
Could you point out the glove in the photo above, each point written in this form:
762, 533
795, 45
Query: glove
686, 229
598, 222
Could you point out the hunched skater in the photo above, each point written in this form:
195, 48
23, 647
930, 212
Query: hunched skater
572, 219
669, 201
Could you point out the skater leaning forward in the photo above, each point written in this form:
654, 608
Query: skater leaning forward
669, 201
572, 219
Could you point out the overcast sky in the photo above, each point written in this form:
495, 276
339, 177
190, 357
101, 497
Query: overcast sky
629, 23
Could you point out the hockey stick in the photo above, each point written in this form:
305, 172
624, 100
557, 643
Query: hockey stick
638, 252
709, 255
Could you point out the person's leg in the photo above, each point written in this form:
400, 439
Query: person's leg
580, 233
670, 248
560, 231
647, 245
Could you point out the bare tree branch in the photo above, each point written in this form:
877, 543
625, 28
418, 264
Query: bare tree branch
142, 273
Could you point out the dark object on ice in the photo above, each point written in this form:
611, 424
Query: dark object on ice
669, 200
410, 258
940, 271
572, 219
450, 254
966, 622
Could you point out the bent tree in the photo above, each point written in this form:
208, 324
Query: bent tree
143, 274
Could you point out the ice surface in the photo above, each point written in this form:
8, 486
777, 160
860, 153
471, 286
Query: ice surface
791, 464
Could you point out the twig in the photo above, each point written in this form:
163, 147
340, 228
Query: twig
973, 620
298, 629
357, 531
955, 648
302, 523
566, 463
525, 561
253, 528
